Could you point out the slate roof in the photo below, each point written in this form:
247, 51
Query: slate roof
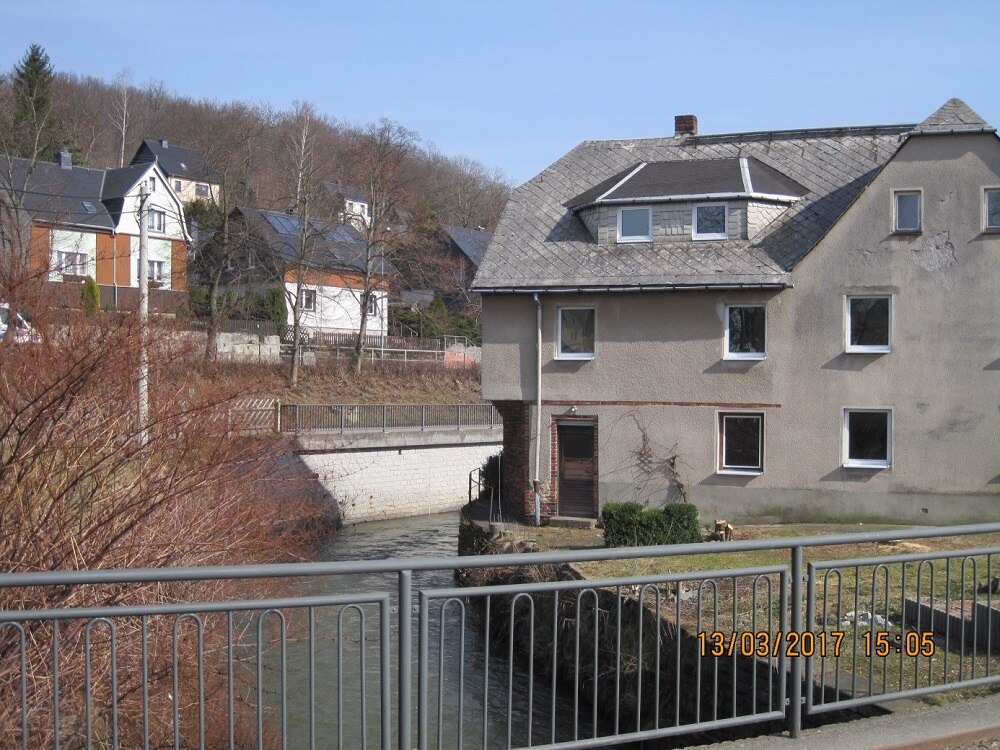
54, 195
954, 116
176, 161
540, 243
117, 184
347, 192
471, 242
666, 179
339, 247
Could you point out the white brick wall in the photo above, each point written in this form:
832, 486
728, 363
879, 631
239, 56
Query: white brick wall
380, 484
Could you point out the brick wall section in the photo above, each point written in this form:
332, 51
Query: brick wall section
375, 485
515, 484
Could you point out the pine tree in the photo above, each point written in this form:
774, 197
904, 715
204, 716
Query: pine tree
34, 128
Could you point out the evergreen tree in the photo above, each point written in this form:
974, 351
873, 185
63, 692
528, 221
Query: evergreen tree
34, 127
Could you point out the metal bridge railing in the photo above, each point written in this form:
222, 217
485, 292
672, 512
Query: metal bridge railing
384, 417
284, 656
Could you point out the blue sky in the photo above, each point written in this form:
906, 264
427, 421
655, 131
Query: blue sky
516, 84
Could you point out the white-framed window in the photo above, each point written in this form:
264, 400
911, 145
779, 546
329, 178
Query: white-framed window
201, 190
155, 270
177, 186
907, 211
710, 221
575, 333
741, 443
991, 209
73, 264
746, 336
251, 261
309, 299
868, 323
156, 221
867, 441
372, 306
152, 184
634, 224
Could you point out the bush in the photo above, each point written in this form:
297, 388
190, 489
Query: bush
632, 525
90, 296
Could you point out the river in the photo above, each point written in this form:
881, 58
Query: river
338, 655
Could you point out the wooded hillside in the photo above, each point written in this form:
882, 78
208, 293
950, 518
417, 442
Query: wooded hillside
103, 123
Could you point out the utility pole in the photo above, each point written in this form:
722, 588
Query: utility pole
143, 382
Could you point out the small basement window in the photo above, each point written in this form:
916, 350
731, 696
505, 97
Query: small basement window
991, 209
634, 225
710, 222
575, 334
741, 443
745, 332
907, 213
868, 438
869, 324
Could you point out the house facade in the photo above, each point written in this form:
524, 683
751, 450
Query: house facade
774, 326
85, 222
189, 174
329, 261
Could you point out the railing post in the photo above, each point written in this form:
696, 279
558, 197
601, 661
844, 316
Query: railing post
383, 417
298, 421
458, 417
277, 415
423, 416
342, 411
405, 670
795, 695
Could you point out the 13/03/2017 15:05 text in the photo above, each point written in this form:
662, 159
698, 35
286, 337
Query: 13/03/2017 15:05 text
878, 643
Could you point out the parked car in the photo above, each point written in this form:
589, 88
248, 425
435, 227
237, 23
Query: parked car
23, 332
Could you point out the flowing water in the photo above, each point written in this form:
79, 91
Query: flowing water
347, 671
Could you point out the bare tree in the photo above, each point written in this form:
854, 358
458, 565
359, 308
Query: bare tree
379, 156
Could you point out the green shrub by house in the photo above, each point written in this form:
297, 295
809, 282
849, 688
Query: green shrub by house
90, 296
632, 525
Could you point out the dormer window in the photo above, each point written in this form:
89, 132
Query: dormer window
634, 224
710, 222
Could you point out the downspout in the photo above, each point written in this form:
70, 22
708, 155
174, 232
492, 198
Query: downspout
536, 482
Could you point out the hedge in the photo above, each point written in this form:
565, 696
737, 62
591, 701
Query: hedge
631, 525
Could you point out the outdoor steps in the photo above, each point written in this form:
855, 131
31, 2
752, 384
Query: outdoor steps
571, 522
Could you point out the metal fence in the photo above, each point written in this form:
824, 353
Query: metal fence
384, 417
281, 656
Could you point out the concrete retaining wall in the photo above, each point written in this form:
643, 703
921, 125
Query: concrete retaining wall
394, 481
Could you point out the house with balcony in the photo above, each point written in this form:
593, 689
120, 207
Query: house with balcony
85, 222
779, 325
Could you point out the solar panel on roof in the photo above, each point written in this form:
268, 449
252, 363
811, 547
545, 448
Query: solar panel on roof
283, 223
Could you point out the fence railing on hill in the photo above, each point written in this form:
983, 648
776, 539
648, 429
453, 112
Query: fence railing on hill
384, 417
187, 657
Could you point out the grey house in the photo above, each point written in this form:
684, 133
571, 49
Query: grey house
777, 325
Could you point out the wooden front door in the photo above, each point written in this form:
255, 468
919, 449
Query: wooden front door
577, 471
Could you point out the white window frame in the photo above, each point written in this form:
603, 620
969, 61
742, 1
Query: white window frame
73, 263
177, 186
306, 293
696, 235
920, 211
721, 468
857, 463
986, 209
155, 269
152, 184
866, 348
156, 221
372, 306
201, 190
582, 356
726, 354
636, 237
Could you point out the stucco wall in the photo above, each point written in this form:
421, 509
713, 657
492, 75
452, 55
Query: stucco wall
659, 371
372, 485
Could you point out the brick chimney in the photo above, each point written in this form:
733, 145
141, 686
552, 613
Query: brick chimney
64, 159
685, 125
